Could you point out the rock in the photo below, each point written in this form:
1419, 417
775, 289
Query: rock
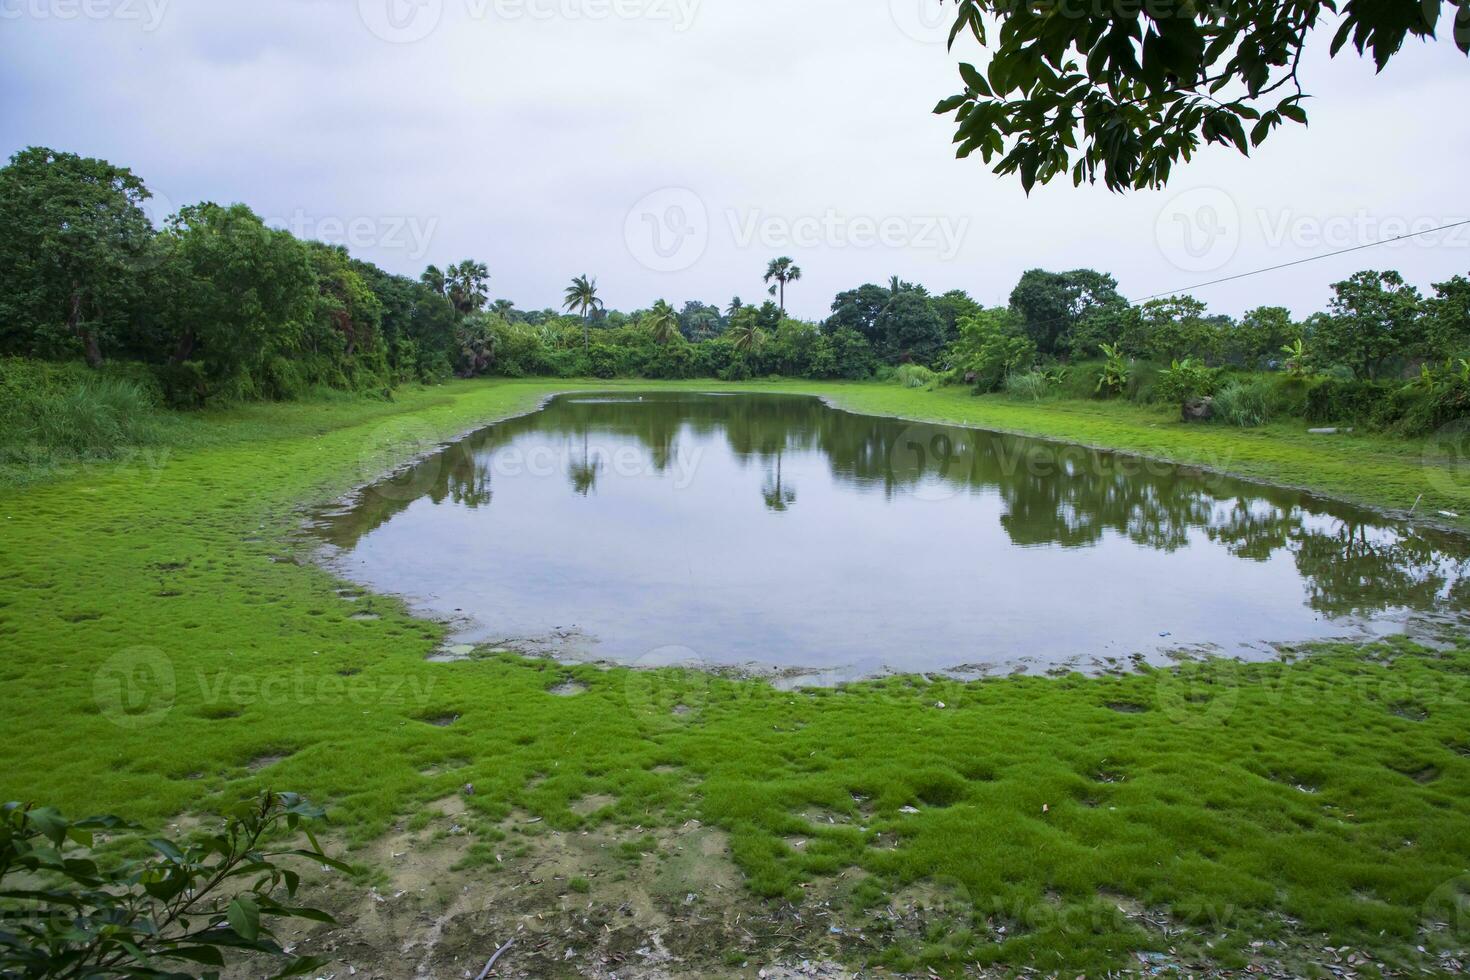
1198, 409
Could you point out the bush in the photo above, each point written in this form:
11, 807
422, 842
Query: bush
1334, 400
915, 376
737, 370
1185, 380
1244, 403
181, 908
990, 348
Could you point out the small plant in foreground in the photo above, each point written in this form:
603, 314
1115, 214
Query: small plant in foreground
65, 913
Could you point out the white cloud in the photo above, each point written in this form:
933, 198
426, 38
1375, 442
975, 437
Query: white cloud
522, 131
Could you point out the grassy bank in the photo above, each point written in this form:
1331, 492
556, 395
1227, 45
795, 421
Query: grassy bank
168, 647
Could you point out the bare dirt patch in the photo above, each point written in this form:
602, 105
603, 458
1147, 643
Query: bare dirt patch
606, 903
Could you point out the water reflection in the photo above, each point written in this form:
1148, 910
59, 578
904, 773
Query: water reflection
916, 545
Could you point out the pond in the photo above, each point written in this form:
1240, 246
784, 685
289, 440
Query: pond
774, 532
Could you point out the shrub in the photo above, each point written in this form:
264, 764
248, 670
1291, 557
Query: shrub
1185, 380
1244, 403
737, 370
1438, 397
915, 376
990, 348
184, 906
1331, 400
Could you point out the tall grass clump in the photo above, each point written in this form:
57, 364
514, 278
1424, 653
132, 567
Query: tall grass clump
51, 416
915, 376
1244, 403
1029, 386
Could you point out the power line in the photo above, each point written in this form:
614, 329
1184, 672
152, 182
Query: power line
1310, 258
1272, 268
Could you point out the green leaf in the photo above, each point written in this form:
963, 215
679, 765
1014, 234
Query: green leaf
973, 79
49, 824
168, 849
244, 917
207, 955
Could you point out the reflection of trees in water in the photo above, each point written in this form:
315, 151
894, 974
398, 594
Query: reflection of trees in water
1358, 568
1253, 529
583, 472
1058, 495
776, 494
454, 474
466, 481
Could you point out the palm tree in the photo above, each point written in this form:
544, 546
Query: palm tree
663, 322
782, 270
466, 285
896, 288
434, 278
504, 308
745, 331
734, 307
581, 298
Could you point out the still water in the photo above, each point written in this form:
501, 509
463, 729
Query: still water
773, 531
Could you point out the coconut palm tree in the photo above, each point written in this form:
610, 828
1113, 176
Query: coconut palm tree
782, 270
663, 322
745, 331
734, 307
581, 298
435, 279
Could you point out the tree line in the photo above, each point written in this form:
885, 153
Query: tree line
219, 306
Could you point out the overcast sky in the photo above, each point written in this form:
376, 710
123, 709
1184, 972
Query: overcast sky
671, 147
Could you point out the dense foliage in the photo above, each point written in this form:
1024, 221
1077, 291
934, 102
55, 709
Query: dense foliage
68, 911
217, 307
1126, 91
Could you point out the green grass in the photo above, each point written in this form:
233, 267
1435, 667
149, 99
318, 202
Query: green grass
167, 648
